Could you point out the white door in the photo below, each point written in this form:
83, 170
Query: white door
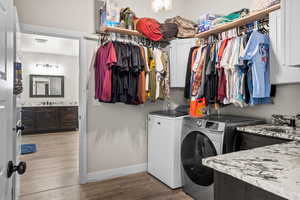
280, 72
7, 110
291, 29
17, 115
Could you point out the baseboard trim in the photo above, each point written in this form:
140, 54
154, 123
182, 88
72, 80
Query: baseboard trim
114, 173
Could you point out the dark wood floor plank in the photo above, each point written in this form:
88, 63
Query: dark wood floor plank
53, 175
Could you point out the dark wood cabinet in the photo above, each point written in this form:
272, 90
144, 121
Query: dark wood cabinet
229, 188
49, 119
247, 141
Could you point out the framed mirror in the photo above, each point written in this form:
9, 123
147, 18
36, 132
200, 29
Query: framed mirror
46, 86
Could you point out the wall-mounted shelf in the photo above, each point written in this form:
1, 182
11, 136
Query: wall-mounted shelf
120, 31
219, 29
240, 22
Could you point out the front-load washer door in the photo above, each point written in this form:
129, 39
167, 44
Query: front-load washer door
196, 146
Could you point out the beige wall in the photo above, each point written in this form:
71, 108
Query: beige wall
117, 133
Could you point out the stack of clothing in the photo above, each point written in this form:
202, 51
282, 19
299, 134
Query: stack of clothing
209, 21
155, 31
234, 70
176, 27
131, 74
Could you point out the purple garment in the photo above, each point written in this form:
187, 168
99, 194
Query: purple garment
106, 57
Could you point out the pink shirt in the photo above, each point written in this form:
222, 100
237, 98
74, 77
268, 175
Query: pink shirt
106, 57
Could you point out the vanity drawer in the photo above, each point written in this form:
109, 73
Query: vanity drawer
69, 125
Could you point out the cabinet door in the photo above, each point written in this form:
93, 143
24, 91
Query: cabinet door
179, 52
160, 148
250, 141
290, 10
68, 118
280, 72
47, 119
28, 120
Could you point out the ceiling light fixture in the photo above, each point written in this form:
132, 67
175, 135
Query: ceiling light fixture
47, 65
161, 5
41, 40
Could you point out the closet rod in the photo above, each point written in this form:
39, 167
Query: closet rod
93, 38
120, 31
240, 22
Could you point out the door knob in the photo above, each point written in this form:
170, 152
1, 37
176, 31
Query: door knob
11, 168
20, 128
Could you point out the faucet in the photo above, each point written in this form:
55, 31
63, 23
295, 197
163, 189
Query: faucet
285, 120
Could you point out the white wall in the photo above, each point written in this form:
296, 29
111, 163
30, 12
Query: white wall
195, 8
68, 67
79, 14
286, 102
117, 133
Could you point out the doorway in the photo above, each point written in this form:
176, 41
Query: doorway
49, 107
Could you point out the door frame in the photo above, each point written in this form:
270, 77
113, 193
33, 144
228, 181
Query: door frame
83, 74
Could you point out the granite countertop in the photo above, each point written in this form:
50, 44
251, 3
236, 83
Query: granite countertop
275, 168
273, 131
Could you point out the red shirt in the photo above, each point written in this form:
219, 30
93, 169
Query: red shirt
106, 57
149, 28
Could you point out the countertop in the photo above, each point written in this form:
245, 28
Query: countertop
274, 168
54, 105
268, 130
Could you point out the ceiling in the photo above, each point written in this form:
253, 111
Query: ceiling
51, 45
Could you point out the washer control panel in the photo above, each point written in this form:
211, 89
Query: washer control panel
211, 125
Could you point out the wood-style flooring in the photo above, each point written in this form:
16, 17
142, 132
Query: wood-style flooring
52, 174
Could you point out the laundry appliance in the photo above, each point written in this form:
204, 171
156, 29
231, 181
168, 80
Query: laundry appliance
164, 136
205, 137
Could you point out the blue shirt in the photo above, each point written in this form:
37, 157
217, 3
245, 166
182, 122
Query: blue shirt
257, 53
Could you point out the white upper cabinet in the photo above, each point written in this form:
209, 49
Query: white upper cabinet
281, 73
291, 30
179, 53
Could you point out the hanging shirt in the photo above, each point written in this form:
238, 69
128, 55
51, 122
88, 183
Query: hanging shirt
211, 79
106, 57
166, 82
152, 76
142, 82
197, 76
257, 52
221, 73
147, 69
187, 88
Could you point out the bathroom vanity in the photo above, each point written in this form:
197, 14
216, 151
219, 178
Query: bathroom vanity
46, 119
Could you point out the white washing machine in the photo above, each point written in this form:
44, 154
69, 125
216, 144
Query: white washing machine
164, 137
202, 138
